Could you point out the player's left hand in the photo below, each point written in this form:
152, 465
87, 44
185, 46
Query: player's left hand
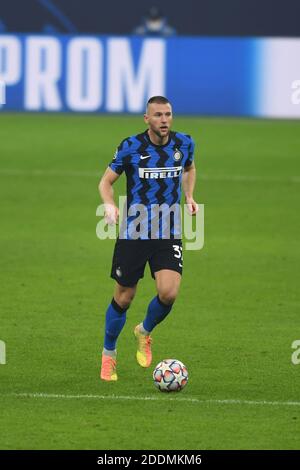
192, 206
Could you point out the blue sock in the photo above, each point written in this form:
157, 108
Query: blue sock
115, 320
156, 312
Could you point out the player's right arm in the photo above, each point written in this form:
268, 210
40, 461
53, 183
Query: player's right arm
107, 195
114, 170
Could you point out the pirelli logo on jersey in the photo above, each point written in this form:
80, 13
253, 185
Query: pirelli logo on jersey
157, 173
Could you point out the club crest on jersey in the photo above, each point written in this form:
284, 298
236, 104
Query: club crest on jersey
118, 271
177, 155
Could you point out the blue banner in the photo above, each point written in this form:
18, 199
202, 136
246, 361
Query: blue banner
113, 74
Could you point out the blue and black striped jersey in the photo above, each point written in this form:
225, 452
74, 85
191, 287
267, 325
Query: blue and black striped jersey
154, 174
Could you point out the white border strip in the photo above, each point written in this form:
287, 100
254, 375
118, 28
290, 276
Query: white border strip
166, 397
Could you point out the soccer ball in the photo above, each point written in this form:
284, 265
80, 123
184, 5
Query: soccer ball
170, 375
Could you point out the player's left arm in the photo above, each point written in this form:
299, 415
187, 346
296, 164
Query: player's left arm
188, 185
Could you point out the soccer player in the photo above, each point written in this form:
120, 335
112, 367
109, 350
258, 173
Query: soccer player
156, 163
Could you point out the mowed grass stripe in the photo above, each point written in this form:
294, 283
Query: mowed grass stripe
93, 174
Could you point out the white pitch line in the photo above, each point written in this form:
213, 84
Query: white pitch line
250, 179
37, 172
152, 398
95, 174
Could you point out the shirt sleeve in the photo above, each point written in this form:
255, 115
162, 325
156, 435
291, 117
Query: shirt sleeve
190, 158
117, 163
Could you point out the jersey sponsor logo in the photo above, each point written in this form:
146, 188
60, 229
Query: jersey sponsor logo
157, 173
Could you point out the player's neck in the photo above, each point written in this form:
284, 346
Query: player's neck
156, 139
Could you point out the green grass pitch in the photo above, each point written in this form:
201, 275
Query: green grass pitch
233, 323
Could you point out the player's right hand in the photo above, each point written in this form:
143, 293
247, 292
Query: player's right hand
111, 214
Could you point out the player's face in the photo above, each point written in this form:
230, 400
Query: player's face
159, 118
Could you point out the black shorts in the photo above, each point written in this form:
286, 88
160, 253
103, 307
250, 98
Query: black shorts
130, 258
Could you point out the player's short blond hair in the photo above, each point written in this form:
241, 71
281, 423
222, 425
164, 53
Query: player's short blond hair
158, 100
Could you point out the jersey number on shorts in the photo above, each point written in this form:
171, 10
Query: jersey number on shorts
178, 253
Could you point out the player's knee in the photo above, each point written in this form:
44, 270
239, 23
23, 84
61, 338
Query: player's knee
168, 297
123, 303
124, 299
124, 295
